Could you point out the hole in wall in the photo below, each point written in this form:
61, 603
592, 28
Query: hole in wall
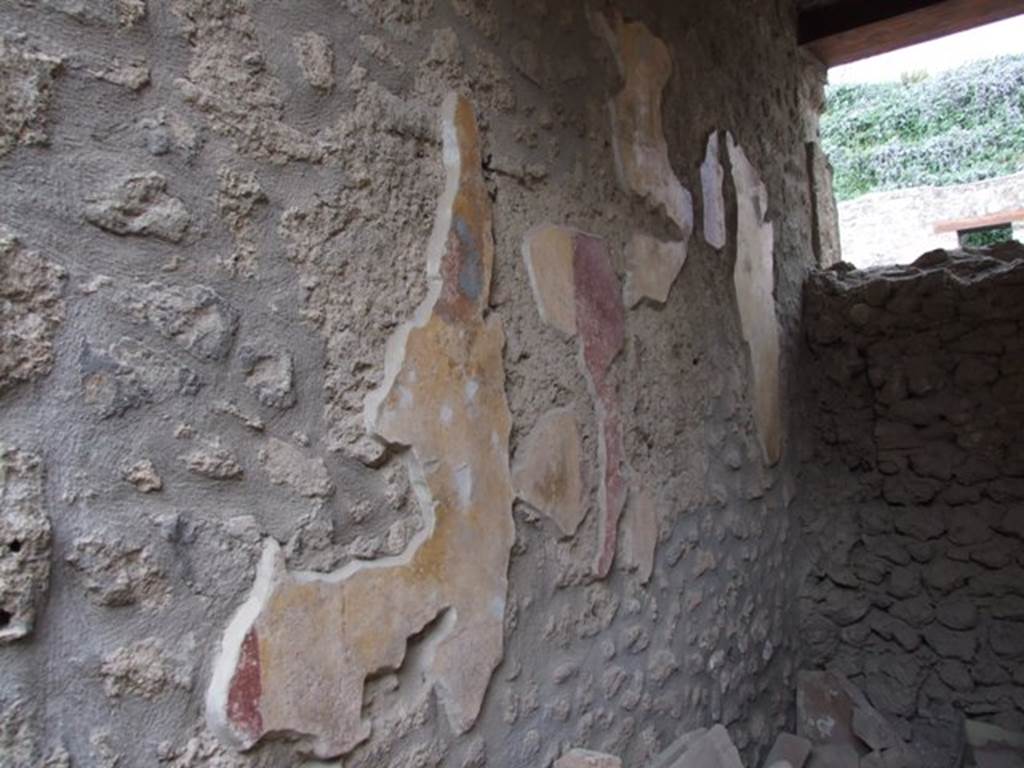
14, 546
5, 618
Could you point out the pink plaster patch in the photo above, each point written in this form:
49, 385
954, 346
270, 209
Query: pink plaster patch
601, 326
600, 316
246, 689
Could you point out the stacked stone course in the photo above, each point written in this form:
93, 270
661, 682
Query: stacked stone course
915, 504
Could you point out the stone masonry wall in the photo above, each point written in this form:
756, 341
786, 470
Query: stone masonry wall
914, 485
895, 227
223, 321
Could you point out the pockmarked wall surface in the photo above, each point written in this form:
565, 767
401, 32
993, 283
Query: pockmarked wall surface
914, 486
368, 391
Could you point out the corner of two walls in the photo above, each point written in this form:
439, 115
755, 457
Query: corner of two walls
220, 252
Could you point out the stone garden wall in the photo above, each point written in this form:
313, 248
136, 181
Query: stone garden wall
914, 485
300, 459
894, 227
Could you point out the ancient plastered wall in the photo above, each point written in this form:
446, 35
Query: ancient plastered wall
915, 484
217, 216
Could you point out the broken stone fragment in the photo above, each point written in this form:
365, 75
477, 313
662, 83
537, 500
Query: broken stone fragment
641, 153
116, 573
789, 751
640, 533
834, 756
286, 464
712, 178
25, 542
754, 284
296, 656
872, 727
598, 320
316, 58
213, 461
714, 749
143, 475
825, 702
196, 318
31, 311
844, 726
584, 758
668, 756
268, 375
547, 472
26, 87
653, 267
139, 205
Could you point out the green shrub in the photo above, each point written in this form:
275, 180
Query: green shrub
979, 238
959, 126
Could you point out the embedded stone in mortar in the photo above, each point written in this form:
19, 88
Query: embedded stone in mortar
129, 375
546, 473
268, 374
711, 179
653, 267
26, 87
599, 322
228, 80
139, 205
25, 540
196, 318
316, 59
754, 283
641, 153
296, 655
286, 464
31, 310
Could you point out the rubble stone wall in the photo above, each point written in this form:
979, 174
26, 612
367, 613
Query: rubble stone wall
217, 223
914, 484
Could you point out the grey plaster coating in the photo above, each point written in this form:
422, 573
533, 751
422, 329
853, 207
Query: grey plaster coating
224, 318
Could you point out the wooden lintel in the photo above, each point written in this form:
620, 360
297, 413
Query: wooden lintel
981, 222
854, 29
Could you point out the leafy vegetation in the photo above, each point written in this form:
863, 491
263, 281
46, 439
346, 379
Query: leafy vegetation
959, 126
979, 238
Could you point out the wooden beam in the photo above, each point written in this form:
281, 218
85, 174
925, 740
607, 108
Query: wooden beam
981, 222
850, 30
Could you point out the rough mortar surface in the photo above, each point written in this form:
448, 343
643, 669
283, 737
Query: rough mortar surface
218, 215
